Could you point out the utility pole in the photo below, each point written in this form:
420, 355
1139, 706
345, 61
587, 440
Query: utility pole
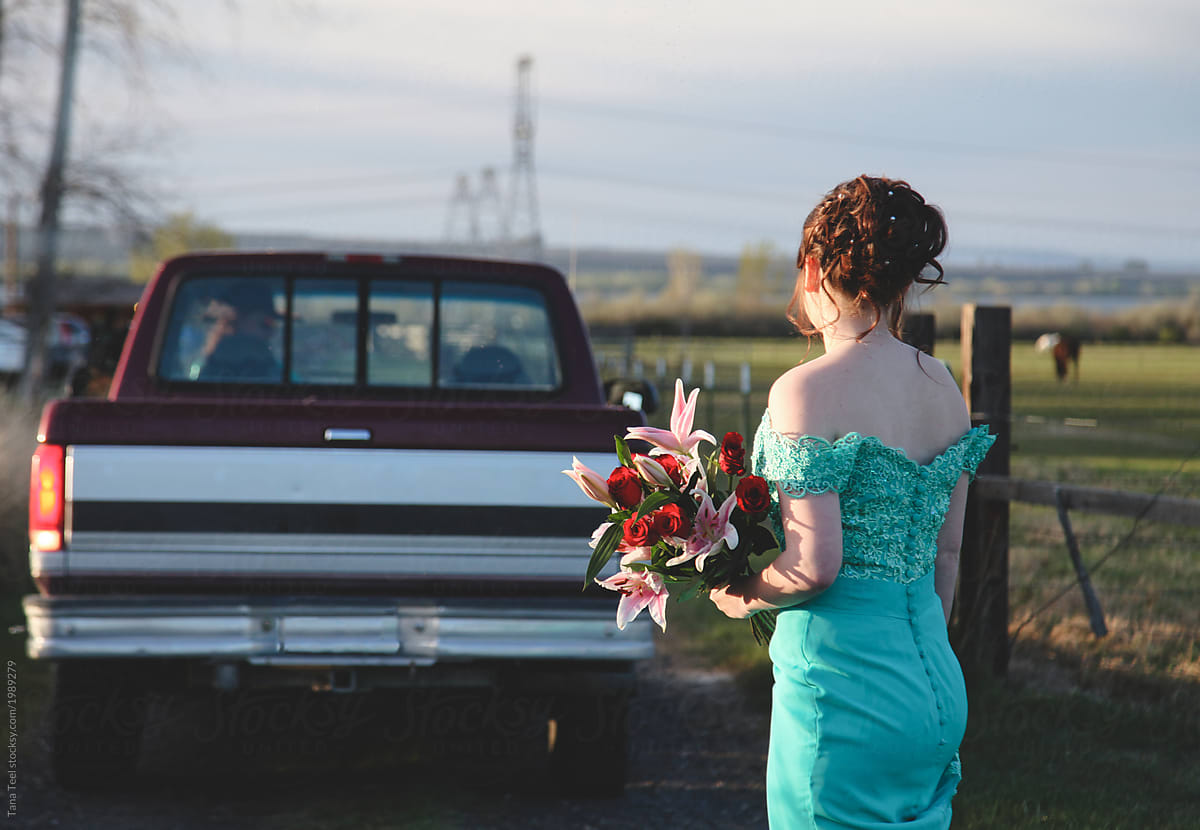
41, 293
12, 251
522, 225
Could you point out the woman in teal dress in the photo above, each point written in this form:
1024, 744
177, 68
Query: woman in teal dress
869, 449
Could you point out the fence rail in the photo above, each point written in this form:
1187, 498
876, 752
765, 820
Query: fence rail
1146, 506
1066, 497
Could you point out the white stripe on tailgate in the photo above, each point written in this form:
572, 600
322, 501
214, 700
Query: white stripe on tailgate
175, 544
327, 476
404, 560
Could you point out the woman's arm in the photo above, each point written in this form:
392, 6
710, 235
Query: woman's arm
949, 544
812, 527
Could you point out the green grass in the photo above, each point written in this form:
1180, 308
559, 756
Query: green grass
1067, 760
1086, 732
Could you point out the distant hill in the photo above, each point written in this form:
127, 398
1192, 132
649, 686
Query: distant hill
95, 250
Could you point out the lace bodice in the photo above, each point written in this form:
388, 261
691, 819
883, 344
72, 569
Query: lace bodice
892, 507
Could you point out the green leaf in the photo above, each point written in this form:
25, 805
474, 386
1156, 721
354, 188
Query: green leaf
623, 454
603, 552
762, 625
763, 539
660, 553
738, 520
721, 568
692, 590
713, 461
689, 506
652, 502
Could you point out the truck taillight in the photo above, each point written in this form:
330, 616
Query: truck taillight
46, 496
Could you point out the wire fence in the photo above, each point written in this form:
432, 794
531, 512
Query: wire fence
729, 400
1122, 545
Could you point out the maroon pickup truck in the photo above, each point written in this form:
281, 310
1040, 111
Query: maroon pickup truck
338, 473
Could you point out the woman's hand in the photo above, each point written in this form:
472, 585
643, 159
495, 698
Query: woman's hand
732, 602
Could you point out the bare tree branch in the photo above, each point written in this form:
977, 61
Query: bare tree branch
99, 176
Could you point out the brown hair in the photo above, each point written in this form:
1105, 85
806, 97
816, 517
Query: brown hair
873, 238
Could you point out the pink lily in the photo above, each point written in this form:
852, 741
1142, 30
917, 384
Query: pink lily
710, 528
636, 556
593, 485
691, 467
652, 472
598, 533
639, 590
679, 438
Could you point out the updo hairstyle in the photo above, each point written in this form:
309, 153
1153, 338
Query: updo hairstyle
873, 238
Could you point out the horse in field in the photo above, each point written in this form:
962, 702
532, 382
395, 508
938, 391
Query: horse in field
1065, 350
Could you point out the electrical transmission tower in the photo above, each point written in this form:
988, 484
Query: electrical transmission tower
462, 212
489, 207
522, 224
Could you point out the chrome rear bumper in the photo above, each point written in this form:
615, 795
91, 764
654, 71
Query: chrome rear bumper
357, 632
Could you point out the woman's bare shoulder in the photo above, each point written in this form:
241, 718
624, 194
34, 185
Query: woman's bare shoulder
944, 395
800, 400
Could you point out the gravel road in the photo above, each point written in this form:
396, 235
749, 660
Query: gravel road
697, 760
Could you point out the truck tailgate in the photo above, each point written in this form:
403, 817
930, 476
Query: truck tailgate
324, 515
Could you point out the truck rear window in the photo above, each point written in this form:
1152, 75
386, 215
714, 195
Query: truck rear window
374, 332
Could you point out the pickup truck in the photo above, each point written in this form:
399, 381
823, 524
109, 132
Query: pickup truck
339, 473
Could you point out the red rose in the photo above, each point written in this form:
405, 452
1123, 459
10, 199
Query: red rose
733, 454
625, 487
671, 464
753, 495
672, 521
640, 532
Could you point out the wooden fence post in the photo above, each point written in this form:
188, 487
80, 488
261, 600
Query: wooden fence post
919, 331
980, 628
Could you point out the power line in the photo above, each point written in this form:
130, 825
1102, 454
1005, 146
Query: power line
924, 145
334, 206
781, 200
273, 187
789, 200
675, 219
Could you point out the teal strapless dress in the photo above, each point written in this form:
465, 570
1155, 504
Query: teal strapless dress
869, 703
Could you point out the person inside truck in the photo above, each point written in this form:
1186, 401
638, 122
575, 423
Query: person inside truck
243, 323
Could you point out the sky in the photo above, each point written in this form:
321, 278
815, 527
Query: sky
1046, 130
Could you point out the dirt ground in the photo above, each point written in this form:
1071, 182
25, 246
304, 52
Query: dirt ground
697, 760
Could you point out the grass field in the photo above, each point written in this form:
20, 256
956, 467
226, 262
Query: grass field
1085, 732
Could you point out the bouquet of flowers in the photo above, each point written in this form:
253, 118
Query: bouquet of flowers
672, 522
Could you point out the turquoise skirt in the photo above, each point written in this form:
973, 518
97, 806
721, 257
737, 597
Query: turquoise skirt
869, 709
